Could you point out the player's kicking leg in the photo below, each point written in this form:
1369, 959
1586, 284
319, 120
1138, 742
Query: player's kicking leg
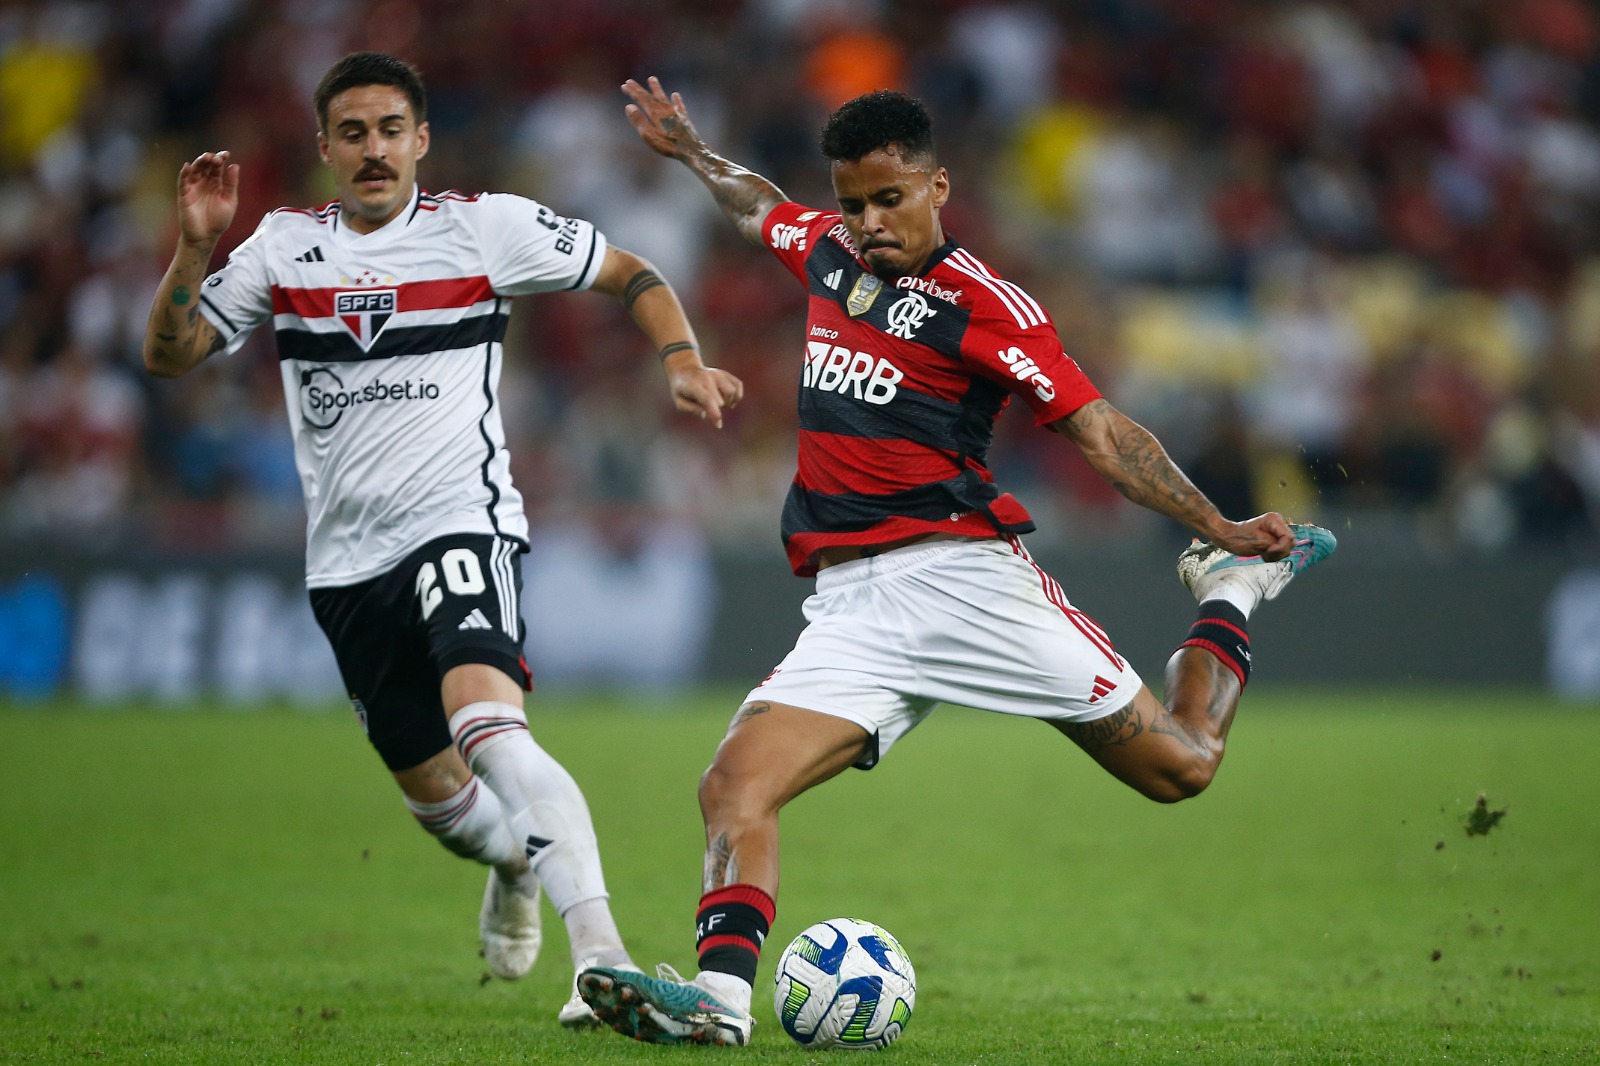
1170, 751
771, 754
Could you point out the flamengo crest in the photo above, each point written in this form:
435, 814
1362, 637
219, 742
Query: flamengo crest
364, 312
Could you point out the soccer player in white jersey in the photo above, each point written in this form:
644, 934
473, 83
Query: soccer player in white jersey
389, 307
924, 594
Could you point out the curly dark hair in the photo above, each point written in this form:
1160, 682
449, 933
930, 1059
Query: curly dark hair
371, 68
877, 120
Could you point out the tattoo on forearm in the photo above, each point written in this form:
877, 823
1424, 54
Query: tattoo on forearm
721, 867
639, 284
674, 348
1136, 465
1112, 731
744, 196
181, 295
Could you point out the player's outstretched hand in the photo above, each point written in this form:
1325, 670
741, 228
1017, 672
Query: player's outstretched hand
705, 391
662, 122
1267, 535
208, 196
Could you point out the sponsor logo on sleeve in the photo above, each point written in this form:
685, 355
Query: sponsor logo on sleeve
1027, 370
784, 237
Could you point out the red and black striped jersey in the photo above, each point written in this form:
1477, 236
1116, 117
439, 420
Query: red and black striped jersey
900, 387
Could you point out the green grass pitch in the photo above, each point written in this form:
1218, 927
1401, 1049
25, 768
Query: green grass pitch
218, 887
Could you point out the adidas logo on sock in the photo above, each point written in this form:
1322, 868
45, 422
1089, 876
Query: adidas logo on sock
313, 256
832, 280
475, 620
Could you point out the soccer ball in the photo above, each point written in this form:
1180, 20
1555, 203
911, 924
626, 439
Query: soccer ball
845, 983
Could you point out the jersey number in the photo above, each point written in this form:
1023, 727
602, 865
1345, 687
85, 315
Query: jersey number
462, 576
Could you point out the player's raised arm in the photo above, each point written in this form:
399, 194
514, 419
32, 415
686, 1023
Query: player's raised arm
1131, 459
697, 389
176, 338
663, 123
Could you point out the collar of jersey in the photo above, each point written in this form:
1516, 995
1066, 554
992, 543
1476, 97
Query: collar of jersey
385, 233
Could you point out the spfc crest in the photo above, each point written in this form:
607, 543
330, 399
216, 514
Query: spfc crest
364, 311
862, 294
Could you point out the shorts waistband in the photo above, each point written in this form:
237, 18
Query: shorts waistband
896, 560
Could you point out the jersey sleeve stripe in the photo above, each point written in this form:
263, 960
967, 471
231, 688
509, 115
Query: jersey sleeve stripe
1024, 316
594, 242
217, 311
1012, 287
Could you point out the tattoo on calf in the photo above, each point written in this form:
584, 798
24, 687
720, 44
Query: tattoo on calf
722, 868
637, 285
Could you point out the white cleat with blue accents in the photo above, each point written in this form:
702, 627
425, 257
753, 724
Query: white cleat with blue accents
1205, 567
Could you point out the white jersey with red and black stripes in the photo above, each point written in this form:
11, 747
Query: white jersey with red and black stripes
390, 347
900, 387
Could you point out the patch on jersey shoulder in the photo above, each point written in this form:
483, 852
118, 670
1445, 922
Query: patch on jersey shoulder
365, 311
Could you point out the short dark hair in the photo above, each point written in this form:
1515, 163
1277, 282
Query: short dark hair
371, 68
877, 120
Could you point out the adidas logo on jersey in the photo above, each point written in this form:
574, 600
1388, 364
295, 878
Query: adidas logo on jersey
832, 280
475, 620
313, 256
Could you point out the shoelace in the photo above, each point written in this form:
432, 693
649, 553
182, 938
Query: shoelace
666, 973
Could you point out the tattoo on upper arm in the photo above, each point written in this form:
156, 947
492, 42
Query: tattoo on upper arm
218, 342
721, 867
639, 284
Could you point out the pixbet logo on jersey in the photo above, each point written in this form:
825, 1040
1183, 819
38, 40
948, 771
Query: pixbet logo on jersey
324, 397
364, 312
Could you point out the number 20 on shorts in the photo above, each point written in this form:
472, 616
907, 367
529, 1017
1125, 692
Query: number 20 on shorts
462, 575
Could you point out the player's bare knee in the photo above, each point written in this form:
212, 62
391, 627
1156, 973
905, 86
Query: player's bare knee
724, 794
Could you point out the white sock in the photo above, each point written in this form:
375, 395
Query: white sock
545, 809
472, 823
1242, 594
592, 932
734, 991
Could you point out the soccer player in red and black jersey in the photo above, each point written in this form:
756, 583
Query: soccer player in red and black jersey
925, 594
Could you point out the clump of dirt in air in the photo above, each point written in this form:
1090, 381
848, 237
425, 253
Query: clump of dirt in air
1481, 819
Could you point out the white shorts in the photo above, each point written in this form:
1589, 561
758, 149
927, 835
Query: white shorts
974, 623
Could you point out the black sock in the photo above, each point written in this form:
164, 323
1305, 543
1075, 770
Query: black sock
730, 927
1221, 630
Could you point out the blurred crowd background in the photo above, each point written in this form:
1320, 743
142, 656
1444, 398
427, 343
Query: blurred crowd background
1341, 256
